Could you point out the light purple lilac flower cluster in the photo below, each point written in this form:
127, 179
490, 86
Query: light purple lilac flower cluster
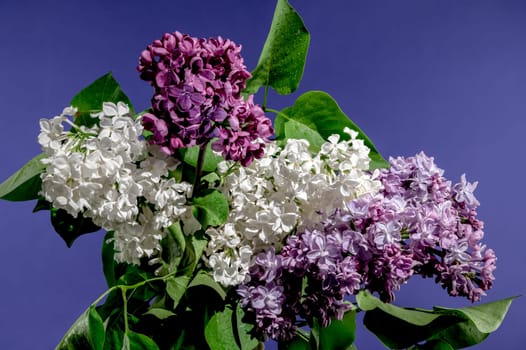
418, 224
197, 97
440, 226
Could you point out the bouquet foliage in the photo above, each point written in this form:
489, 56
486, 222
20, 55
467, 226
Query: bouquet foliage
225, 229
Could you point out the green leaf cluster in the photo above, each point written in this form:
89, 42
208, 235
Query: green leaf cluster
440, 328
151, 307
315, 115
406, 328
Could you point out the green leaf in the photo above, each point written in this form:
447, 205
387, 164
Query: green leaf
199, 242
219, 332
176, 287
246, 341
195, 245
317, 113
108, 261
112, 314
461, 335
96, 329
477, 323
114, 338
90, 99
190, 156
161, 314
134, 274
212, 208
282, 59
69, 227
111, 310
203, 278
457, 328
297, 343
178, 345
86, 333
138, 341
297, 130
77, 335
314, 337
339, 335
368, 302
42, 204
175, 246
486, 317
25, 184
212, 179
407, 327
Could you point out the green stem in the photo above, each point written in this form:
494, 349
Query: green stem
142, 283
125, 307
78, 128
199, 169
272, 111
99, 299
265, 96
124, 288
302, 334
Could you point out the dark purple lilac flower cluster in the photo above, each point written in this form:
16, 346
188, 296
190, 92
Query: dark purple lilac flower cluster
197, 97
417, 224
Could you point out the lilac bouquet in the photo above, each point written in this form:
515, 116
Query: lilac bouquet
225, 229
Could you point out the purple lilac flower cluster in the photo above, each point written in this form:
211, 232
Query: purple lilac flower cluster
418, 224
440, 226
197, 97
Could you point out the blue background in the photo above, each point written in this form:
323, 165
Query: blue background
446, 77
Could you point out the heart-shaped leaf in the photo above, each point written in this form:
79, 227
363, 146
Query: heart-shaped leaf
70, 227
138, 341
246, 341
210, 161
478, 322
90, 99
407, 327
86, 333
219, 332
203, 278
315, 116
440, 327
176, 287
339, 335
212, 208
282, 59
25, 184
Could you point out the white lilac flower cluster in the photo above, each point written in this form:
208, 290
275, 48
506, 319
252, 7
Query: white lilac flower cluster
288, 189
111, 175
